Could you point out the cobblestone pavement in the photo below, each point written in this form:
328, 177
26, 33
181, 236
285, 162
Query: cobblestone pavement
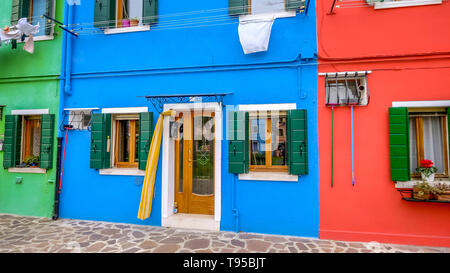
35, 235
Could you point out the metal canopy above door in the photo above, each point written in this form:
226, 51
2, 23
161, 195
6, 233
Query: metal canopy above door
158, 101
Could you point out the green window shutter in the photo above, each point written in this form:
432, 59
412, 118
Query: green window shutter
238, 7
150, 12
100, 141
297, 142
238, 145
47, 140
49, 6
19, 9
13, 128
104, 13
399, 143
15, 11
295, 4
145, 137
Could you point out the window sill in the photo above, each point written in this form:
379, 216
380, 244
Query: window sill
109, 31
405, 3
269, 176
276, 15
122, 171
410, 184
27, 170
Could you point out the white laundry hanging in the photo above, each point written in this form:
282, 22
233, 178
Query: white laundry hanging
16, 32
254, 32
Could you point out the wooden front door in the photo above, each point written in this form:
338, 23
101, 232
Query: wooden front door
194, 163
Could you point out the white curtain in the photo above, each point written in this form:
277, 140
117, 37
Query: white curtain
432, 141
412, 145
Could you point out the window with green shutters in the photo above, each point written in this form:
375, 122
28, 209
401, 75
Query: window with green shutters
33, 10
122, 13
27, 130
416, 134
268, 141
243, 7
120, 140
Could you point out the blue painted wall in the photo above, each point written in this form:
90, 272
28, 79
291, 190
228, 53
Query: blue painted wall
113, 70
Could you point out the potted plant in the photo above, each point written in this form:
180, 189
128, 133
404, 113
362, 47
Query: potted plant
125, 22
441, 191
427, 170
31, 161
422, 191
134, 21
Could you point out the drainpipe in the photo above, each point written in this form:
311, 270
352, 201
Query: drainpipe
234, 210
60, 116
58, 179
68, 86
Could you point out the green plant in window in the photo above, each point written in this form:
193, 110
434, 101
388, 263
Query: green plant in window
440, 188
422, 191
31, 160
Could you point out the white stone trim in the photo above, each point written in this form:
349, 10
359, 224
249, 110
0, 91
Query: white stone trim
410, 184
267, 107
268, 176
421, 104
27, 170
109, 31
30, 112
405, 3
122, 171
80, 109
168, 188
193, 221
124, 110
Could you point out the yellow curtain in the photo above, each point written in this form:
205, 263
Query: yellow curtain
145, 208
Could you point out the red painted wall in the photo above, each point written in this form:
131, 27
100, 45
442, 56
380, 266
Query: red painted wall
408, 50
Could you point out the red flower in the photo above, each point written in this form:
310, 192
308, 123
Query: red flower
426, 163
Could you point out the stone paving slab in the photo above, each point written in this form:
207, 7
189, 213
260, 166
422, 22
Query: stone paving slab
20, 234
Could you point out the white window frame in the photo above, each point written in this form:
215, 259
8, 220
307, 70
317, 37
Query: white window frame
117, 30
121, 111
423, 104
268, 176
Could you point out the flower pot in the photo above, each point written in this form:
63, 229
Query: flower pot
125, 23
421, 194
443, 196
134, 22
429, 178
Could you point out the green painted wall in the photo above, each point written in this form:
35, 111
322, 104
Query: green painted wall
29, 81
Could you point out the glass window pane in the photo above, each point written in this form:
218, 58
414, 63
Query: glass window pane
203, 160
257, 141
124, 140
278, 140
432, 142
136, 148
